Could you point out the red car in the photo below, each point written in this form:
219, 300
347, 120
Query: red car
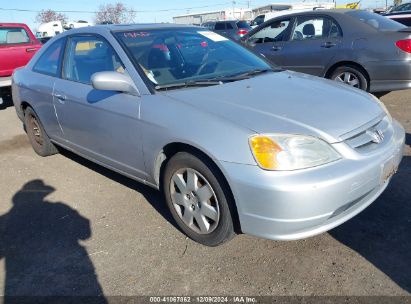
17, 46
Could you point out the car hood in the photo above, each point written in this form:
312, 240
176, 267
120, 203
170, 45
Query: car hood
286, 102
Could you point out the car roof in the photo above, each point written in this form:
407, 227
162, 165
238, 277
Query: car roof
328, 12
125, 27
338, 11
143, 26
226, 21
108, 28
2, 24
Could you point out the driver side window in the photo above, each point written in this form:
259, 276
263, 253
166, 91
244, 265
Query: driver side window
88, 55
273, 32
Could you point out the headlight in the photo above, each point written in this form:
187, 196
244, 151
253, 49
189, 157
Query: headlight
382, 105
290, 152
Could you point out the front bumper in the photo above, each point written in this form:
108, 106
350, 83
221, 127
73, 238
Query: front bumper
5, 81
299, 204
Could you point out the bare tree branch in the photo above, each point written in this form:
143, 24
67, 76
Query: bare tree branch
49, 15
114, 13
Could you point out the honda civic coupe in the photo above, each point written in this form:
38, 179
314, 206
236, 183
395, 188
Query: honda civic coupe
235, 144
359, 48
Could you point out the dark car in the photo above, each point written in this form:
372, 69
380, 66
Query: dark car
43, 40
359, 48
234, 29
400, 13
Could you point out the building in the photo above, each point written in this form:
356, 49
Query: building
224, 14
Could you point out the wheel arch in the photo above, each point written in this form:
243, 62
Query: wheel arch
354, 64
23, 106
173, 148
21, 109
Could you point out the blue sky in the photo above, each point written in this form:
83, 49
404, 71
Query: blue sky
151, 15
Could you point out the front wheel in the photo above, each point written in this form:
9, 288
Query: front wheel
352, 76
198, 199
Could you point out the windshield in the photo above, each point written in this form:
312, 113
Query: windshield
377, 21
170, 56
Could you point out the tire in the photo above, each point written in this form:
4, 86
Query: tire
352, 76
380, 94
203, 214
37, 136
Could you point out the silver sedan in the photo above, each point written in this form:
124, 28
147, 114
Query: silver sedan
235, 144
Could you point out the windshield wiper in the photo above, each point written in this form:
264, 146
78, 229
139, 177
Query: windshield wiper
242, 75
190, 83
252, 73
212, 81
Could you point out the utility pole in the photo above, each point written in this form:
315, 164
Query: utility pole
233, 10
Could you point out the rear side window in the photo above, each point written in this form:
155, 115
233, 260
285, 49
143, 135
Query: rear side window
219, 26
48, 63
88, 55
309, 28
376, 21
243, 25
229, 26
259, 20
13, 35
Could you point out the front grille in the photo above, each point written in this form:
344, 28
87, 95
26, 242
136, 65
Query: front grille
371, 138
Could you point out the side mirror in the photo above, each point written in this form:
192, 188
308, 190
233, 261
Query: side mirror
114, 81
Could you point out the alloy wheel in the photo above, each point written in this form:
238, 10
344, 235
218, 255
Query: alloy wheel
348, 78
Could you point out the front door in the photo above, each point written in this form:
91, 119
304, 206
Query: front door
313, 44
103, 125
269, 41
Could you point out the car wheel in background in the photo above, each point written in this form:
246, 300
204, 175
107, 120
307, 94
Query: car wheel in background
350, 75
380, 94
37, 136
196, 196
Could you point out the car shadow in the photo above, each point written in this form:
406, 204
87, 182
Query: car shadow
382, 233
39, 241
95, 96
408, 139
153, 196
5, 98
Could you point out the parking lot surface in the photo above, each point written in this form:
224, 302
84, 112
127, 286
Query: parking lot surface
90, 231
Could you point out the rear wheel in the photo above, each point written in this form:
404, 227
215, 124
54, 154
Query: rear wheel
198, 199
37, 136
352, 76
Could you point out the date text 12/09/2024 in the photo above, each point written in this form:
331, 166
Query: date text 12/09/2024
203, 299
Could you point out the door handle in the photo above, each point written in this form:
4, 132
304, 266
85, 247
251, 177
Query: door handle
328, 44
60, 98
276, 48
30, 50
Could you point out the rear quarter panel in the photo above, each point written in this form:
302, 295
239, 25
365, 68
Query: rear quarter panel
36, 90
374, 50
